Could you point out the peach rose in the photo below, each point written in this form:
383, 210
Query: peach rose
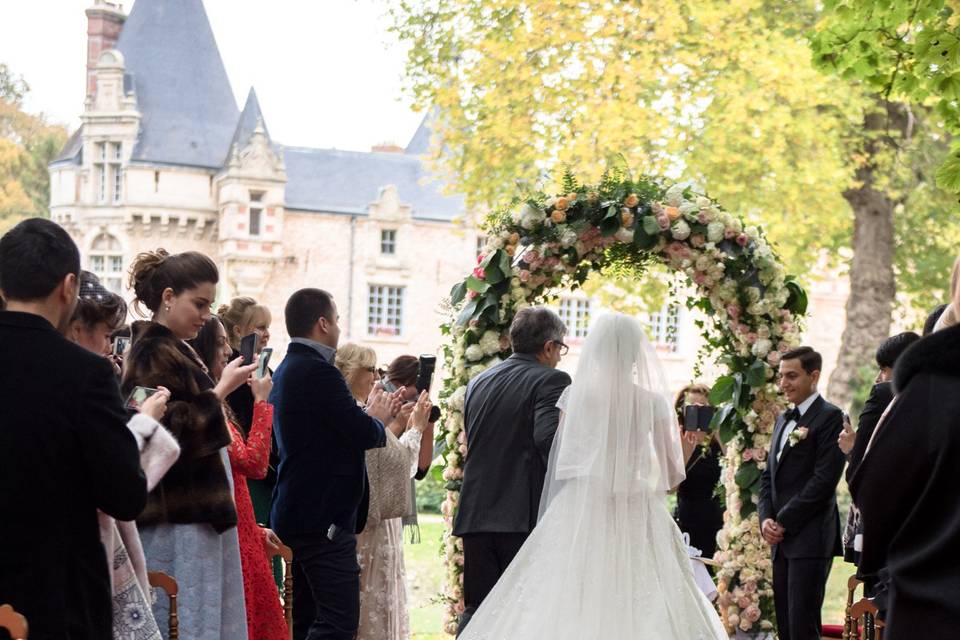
561, 204
672, 213
632, 200
558, 216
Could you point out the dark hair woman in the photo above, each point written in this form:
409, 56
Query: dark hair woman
189, 525
248, 459
699, 512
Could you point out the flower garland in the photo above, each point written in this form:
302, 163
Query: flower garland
541, 244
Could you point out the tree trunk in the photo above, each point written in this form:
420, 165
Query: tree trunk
872, 285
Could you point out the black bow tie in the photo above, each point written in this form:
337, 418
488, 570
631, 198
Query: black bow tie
791, 414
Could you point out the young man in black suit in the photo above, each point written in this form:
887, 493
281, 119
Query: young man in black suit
510, 416
798, 505
64, 443
320, 501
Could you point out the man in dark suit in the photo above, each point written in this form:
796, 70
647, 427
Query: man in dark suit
510, 416
65, 450
798, 505
320, 501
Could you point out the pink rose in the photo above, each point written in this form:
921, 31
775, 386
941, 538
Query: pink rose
744, 602
729, 233
702, 217
748, 455
759, 454
733, 311
531, 255
742, 328
751, 338
474, 323
480, 273
698, 240
481, 258
472, 294
750, 586
463, 449
700, 278
459, 607
524, 276
752, 613
742, 239
783, 347
664, 222
774, 358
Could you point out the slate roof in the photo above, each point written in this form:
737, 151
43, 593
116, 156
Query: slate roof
349, 181
247, 124
188, 110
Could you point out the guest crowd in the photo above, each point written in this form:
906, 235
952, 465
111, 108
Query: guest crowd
159, 447
167, 445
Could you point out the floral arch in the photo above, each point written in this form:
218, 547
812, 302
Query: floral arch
542, 244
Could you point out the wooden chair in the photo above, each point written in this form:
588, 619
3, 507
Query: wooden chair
860, 621
160, 580
13, 622
286, 553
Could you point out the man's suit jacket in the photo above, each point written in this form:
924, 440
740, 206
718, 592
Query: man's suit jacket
881, 395
322, 437
800, 490
510, 415
65, 451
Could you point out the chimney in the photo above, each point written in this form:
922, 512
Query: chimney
104, 22
386, 147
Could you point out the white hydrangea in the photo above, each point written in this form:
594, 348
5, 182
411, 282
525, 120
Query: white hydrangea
674, 195
715, 231
490, 342
762, 347
703, 202
456, 399
474, 353
680, 230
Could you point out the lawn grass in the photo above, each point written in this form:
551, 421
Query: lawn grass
425, 580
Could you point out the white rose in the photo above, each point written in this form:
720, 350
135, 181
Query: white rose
474, 352
762, 347
703, 202
624, 235
689, 209
680, 230
569, 238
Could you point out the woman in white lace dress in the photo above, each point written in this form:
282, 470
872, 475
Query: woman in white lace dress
383, 591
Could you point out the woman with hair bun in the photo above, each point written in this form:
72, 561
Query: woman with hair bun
188, 527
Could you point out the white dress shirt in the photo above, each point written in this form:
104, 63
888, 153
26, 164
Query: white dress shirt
790, 426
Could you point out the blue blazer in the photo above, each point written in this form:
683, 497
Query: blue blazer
322, 436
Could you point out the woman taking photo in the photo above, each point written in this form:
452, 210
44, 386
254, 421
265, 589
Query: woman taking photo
699, 511
188, 527
383, 596
98, 314
248, 460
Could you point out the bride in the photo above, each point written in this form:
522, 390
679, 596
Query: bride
606, 561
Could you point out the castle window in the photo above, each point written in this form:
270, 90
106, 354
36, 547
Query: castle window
100, 171
105, 259
116, 168
385, 311
256, 212
663, 327
575, 313
388, 242
156, 181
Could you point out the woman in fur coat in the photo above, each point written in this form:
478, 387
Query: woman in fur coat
188, 527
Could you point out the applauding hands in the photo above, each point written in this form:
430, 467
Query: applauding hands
384, 406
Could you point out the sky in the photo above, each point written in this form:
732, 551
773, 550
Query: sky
327, 72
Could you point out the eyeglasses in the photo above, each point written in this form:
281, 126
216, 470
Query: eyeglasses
561, 348
373, 370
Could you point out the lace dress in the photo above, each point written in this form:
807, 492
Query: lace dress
383, 589
249, 460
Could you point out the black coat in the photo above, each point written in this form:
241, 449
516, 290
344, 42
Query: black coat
323, 437
510, 416
881, 395
800, 491
906, 490
65, 451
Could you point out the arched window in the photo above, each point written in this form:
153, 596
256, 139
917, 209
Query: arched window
106, 261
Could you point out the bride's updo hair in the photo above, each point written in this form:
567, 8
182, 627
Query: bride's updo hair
153, 272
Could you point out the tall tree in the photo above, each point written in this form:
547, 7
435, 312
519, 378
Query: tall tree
27, 145
723, 93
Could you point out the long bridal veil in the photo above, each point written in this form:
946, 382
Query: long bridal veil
606, 559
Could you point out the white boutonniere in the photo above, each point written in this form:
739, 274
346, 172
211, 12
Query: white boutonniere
797, 435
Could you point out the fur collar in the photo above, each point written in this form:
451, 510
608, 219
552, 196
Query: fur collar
938, 353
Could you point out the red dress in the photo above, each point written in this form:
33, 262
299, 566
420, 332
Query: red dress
249, 460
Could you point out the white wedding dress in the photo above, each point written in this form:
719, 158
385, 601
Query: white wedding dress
606, 561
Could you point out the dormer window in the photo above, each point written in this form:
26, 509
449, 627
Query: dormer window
108, 172
256, 212
388, 242
116, 168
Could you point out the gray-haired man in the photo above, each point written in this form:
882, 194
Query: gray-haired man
510, 416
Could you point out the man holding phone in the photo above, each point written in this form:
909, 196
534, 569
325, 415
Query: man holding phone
67, 451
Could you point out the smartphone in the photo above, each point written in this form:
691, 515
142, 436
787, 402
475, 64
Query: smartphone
120, 344
248, 347
264, 361
428, 364
698, 417
137, 396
